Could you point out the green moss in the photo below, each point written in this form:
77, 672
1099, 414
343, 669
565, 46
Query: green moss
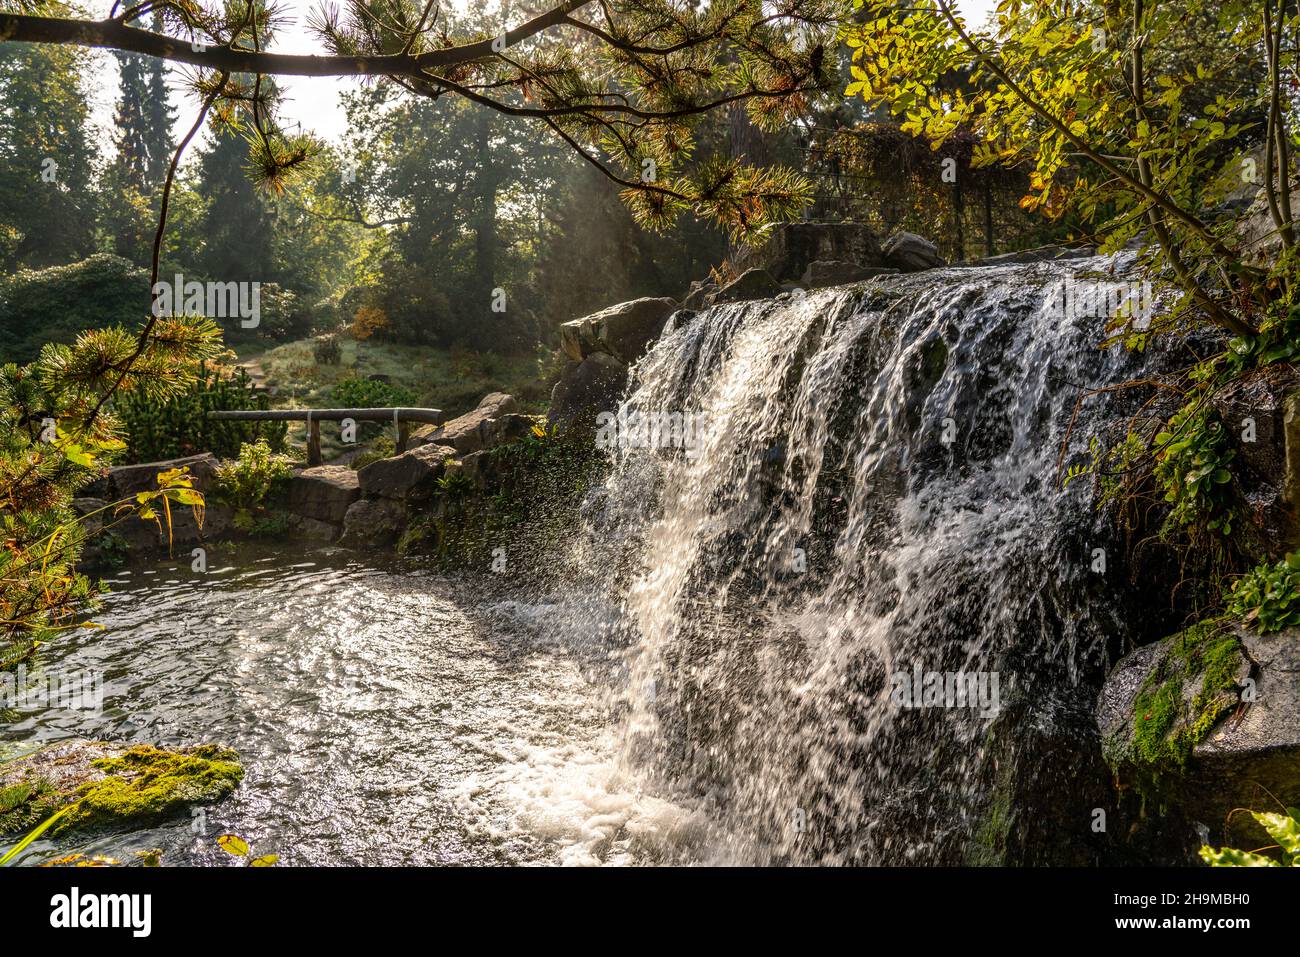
107, 786
146, 783
1190, 688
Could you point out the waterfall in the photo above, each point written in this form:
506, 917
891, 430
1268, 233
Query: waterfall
823, 503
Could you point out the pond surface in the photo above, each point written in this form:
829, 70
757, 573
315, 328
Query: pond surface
384, 715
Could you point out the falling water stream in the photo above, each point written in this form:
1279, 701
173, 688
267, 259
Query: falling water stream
861, 490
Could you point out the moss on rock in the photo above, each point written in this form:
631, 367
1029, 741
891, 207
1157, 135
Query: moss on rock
111, 785
1192, 680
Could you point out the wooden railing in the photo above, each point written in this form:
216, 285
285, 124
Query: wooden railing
401, 418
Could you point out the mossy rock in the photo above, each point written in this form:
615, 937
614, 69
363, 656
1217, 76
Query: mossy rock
1164, 699
112, 785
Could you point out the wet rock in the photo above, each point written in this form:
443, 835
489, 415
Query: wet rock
411, 476
1041, 255
792, 247
751, 284
678, 319
312, 530
467, 433
1177, 720
586, 389
476, 468
324, 493
623, 331
832, 272
912, 253
373, 523
112, 785
1261, 417
700, 295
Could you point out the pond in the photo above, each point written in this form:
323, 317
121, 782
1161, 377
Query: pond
384, 714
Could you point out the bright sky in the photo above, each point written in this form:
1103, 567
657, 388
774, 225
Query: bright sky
311, 101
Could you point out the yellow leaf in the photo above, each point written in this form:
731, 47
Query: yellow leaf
233, 844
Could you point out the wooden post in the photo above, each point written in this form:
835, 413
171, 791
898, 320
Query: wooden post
403, 435
313, 443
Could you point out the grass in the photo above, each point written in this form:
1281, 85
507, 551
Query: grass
453, 380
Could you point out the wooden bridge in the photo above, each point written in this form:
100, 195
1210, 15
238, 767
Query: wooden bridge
401, 419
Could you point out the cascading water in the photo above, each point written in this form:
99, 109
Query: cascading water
860, 490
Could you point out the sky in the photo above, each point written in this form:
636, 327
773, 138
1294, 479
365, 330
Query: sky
312, 102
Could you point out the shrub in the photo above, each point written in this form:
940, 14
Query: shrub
245, 483
1269, 595
327, 350
55, 305
355, 392
1284, 829
165, 428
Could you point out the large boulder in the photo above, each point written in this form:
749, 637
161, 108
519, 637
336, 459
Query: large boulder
624, 331
1208, 720
586, 389
751, 284
324, 493
912, 253
835, 272
373, 523
792, 247
471, 431
411, 476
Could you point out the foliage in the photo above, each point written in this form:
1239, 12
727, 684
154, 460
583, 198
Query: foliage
1282, 828
44, 219
355, 392
1268, 596
177, 425
59, 303
1124, 134
54, 433
245, 483
1191, 467
327, 350
236, 846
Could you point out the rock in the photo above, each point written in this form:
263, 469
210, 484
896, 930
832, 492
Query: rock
912, 253
792, 247
834, 272
324, 493
411, 476
476, 467
585, 389
678, 319
1174, 721
623, 331
112, 785
1043, 254
373, 523
125, 481
465, 433
1261, 243
311, 530
700, 296
751, 284
1261, 418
